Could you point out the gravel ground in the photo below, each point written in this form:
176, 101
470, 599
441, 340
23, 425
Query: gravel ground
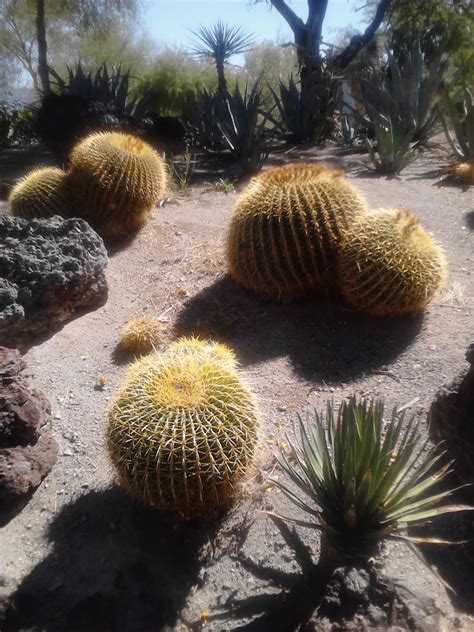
85, 557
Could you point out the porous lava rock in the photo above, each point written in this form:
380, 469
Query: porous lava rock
360, 600
452, 422
49, 268
27, 448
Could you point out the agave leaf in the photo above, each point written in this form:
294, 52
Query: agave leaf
296, 500
419, 505
437, 511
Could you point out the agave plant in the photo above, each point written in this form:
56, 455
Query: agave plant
400, 108
219, 42
109, 87
202, 115
362, 480
243, 127
460, 112
306, 113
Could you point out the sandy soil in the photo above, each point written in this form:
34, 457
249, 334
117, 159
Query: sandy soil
86, 558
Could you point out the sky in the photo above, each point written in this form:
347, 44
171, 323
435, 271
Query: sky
170, 21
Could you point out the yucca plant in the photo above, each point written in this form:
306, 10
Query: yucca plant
366, 480
400, 108
243, 127
219, 42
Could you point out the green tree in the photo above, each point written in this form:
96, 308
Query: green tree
446, 25
29, 29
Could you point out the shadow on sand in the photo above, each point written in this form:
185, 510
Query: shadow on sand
114, 566
324, 341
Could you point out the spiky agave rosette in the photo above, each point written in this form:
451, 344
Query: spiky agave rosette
362, 479
286, 229
43, 192
119, 179
388, 265
182, 431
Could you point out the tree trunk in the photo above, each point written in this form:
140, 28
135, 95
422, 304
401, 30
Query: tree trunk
42, 47
221, 80
308, 36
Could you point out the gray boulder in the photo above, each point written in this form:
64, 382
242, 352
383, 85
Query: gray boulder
49, 269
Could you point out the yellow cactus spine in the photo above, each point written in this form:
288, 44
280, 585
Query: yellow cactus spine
286, 229
43, 192
119, 178
182, 430
389, 265
141, 335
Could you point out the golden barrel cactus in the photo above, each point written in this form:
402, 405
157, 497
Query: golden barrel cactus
43, 192
193, 347
141, 335
119, 179
389, 265
286, 229
182, 431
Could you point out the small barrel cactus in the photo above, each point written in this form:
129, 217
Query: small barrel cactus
43, 192
286, 229
119, 179
141, 335
389, 265
182, 431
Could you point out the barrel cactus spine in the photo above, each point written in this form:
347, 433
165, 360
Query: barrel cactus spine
182, 432
119, 178
141, 335
389, 265
43, 192
286, 229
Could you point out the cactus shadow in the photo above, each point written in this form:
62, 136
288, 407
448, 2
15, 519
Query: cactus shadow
113, 566
324, 340
470, 220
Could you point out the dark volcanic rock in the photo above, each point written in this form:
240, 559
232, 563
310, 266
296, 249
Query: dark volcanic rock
49, 268
27, 449
452, 421
359, 600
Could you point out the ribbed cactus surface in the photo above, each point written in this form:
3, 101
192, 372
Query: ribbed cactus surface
43, 192
286, 229
119, 179
389, 265
195, 347
182, 431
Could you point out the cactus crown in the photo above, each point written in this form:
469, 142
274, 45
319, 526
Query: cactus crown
43, 192
389, 265
286, 228
193, 346
182, 430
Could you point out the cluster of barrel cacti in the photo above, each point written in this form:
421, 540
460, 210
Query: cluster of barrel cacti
114, 181
183, 429
302, 228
